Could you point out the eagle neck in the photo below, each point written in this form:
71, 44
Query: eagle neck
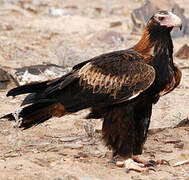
144, 46
155, 41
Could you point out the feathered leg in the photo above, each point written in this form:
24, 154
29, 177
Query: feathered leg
124, 131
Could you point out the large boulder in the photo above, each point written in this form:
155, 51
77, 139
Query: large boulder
5, 79
38, 73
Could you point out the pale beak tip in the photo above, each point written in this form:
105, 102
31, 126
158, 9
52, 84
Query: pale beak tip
181, 27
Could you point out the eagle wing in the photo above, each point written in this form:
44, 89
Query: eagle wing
107, 79
100, 82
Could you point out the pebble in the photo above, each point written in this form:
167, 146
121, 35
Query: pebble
179, 145
5, 132
166, 151
41, 162
115, 24
19, 167
57, 12
137, 177
73, 146
81, 155
173, 141
68, 139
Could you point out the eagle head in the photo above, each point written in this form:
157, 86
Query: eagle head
165, 20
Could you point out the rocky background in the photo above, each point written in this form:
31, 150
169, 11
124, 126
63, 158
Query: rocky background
43, 39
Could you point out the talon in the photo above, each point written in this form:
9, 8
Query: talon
152, 161
152, 169
149, 164
112, 161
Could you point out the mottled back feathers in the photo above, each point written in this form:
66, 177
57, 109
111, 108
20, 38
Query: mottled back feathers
120, 75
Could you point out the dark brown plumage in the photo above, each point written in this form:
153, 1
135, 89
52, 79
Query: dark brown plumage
119, 87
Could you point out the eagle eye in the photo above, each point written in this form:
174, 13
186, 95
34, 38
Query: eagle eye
161, 18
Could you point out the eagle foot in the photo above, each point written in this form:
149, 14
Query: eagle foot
139, 165
130, 164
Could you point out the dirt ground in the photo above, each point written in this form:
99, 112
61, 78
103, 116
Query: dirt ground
70, 148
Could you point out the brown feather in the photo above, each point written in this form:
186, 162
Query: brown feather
130, 74
58, 110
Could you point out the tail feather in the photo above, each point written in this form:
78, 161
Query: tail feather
35, 114
28, 88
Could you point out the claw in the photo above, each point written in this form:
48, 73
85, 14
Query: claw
149, 164
112, 161
152, 169
153, 162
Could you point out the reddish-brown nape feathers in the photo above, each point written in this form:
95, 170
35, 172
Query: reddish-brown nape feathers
144, 46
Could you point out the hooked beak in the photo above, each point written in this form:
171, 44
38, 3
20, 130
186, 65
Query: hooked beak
175, 20
180, 27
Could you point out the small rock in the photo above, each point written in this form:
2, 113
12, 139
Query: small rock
41, 162
30, 8
5, 132
166, 151
73, 146
98, 10
179, 145
173, 141
68, 139
12, 155
183, 123
57, 12
96, 152
41, 72
19, 167
183, 52
5, 79
81, 154
115, 24
137, 177
8, 27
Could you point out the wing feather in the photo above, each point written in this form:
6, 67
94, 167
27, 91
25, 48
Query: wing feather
121, 76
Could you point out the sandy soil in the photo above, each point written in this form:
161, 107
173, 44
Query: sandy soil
70, 148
